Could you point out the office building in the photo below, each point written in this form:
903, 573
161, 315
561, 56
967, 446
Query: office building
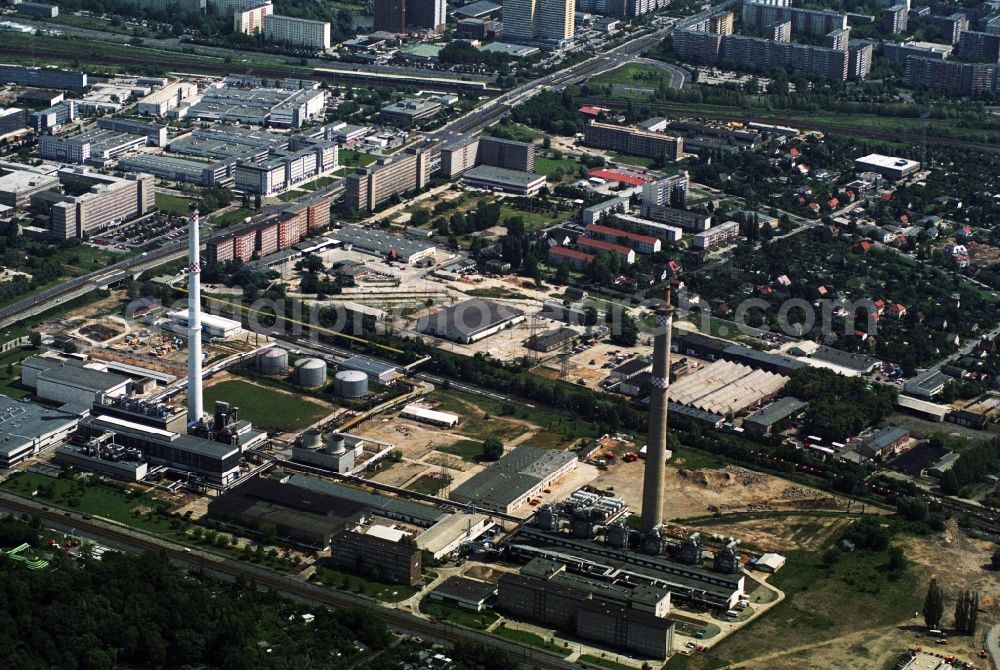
502, 179
167, 98
890, 167
297, 32
458, 157
251, 21
53, 118
593, 610
367, 188
19, 182
976, 47
104, 200
12, 120
171, 168
507, 154
405, 113
94, 146
42, 77
367, 554
546, 22
633, 141
37, 9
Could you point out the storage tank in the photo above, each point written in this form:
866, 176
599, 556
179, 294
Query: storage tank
310, 372
350, 384
272, 361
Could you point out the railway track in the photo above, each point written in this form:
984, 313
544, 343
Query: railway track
288, 585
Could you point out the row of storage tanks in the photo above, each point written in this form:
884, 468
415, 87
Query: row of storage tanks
312, 372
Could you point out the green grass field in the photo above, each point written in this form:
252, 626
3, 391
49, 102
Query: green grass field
371, 588
10, 372
428, 485
264, 407
172, 204
316, 183
639, 161
352, 158
531, 640
822, 602
548, 166
470, 450
231, 217
533, 220
604, 662
459, 617
632, 74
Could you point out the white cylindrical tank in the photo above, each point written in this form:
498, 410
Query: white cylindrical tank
273, 361
336, 443
310, 372
350, 384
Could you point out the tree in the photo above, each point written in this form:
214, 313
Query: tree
35, 338
897, 560
949, 483
933, 605
268, 533
492, 449
962, 611
995, 559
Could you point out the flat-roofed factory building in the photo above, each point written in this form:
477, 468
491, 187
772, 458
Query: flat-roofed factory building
514, 479
470, 320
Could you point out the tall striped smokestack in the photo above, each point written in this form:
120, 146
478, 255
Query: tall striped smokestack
194, 316
656, 441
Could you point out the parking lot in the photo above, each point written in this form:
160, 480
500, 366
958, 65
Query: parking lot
145, 233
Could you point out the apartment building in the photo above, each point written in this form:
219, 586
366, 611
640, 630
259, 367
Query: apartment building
548, 22
297, 32
633, 141
251, 21
976, 47
952, 77
716, 237
641, 244
804, 21
895, 19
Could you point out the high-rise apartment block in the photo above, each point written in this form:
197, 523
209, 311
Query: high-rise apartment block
251, 21
977, 47
894, 19
398, 16
297, 32
548, 22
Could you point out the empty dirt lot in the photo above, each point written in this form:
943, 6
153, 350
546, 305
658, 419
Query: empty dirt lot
692, 493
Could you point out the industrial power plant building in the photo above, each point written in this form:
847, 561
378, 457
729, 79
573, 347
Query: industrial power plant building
514, 479
27, 428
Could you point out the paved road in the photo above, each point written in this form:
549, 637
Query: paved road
993, 644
